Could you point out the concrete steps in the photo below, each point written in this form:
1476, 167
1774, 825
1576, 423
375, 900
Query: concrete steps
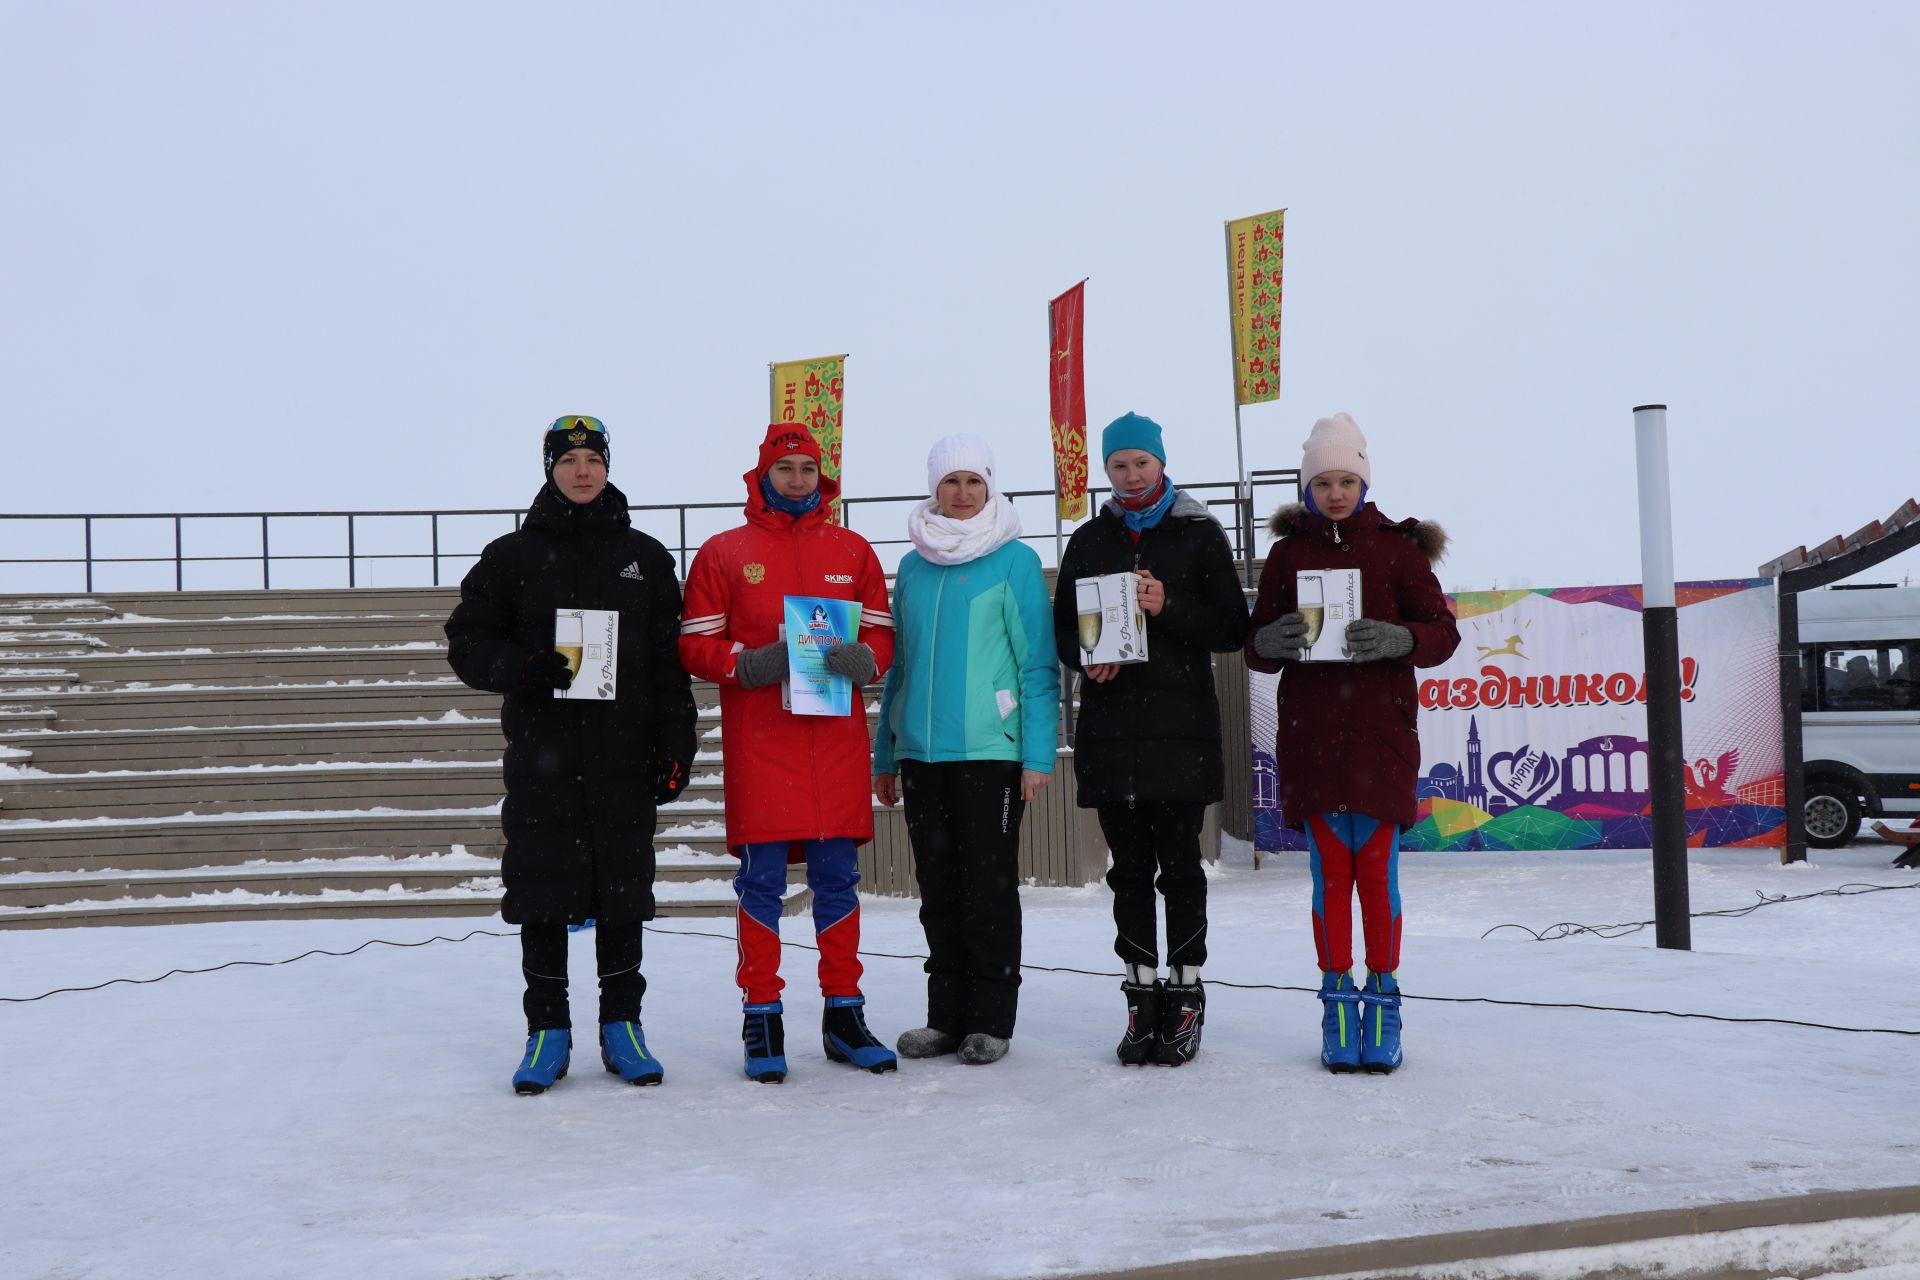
233, 755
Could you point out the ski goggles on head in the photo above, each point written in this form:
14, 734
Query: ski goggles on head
572, 422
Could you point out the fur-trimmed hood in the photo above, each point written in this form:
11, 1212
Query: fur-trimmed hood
1295, 518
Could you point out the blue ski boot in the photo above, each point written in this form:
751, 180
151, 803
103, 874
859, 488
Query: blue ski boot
623, 1050
1380, 1024
1339, 1023
844, 1035
766, 1043
545, 1061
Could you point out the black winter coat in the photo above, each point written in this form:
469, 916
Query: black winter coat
579, 813
1153, 731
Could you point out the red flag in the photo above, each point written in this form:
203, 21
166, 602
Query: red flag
1067, 401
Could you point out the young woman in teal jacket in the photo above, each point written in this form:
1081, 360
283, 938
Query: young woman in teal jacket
967, 736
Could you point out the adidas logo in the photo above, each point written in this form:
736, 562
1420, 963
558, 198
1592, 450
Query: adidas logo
632, 571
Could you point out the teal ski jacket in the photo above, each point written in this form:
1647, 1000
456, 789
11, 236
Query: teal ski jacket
975, 675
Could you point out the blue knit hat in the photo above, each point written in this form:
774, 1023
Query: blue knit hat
1132, 431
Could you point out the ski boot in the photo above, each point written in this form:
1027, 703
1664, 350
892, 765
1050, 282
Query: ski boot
1380, 1024
926, 1042
844, 1035
979, 1048
1339, 1023
766, 1043
548, 1051
623, 1051
1140, 1045
1181, 1017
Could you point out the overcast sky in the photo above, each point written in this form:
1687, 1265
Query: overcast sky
332, 255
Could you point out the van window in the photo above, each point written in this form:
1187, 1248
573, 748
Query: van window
1868, 675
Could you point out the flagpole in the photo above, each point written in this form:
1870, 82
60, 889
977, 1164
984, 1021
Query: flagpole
1243, 495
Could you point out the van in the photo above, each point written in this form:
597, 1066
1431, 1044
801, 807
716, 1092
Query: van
1860, 713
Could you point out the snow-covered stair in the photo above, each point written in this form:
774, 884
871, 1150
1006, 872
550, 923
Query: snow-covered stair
213, 756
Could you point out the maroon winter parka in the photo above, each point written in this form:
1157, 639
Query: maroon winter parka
1347, 742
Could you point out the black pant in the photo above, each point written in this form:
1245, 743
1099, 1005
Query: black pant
963, 817
543, 958
1166, 834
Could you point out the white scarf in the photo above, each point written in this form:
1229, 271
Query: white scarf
944, 540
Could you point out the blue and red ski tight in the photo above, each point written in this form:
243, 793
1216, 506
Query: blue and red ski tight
761, 885
1351, 850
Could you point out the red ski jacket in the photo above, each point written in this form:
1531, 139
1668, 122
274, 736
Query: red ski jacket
788, 777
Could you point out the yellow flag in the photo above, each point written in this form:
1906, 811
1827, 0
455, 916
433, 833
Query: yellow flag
811, 392
1254, 254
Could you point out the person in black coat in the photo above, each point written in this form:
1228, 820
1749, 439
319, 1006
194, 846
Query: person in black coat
1147, 745
583, 777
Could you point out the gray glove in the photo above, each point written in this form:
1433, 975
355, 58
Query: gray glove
854, 661
1283, 638
1371, 640
762, 666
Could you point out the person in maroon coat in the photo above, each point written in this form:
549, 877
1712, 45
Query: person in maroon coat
1347, 750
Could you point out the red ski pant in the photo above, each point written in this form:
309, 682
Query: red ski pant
832, 872
1351, 850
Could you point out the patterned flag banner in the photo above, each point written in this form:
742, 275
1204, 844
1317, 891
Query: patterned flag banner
812, 392
1254, 253
1067, 401
1533, 736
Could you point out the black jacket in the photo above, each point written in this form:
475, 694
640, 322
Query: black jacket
579, 813
1153, 731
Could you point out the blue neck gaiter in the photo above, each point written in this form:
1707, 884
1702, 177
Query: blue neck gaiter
1144, 512
795, 507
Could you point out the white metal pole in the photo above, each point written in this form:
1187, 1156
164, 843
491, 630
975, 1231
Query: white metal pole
1656, 505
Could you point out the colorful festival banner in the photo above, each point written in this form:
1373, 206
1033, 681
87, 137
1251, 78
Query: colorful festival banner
1067, 401
1254, 253
1533, 736
812, 392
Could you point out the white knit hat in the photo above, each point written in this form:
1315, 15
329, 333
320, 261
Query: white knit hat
959, 453
1335, 444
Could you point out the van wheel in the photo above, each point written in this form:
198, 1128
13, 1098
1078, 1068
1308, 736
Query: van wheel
1832, 813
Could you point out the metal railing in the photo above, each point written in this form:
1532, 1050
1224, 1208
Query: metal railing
1235, 504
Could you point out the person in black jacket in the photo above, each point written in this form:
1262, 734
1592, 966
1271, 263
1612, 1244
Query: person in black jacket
1147, 746
583, 777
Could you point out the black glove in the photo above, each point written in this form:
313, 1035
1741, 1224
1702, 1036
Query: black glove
546, 669
854, 661
669, 779
763, 666
1371, 640
1284, 637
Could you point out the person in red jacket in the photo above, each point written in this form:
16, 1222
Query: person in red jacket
796, 786
1347, 751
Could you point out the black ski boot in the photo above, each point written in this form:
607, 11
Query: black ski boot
844, 1035
766, 1043
1140, 1046
1181, 1016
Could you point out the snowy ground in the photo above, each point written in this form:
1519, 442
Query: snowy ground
352, 1116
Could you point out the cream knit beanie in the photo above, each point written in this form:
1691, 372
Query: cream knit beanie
960, 453
1335, 444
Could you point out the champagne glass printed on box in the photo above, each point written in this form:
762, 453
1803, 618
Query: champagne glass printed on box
1086, 596
569, 639
1312, 606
